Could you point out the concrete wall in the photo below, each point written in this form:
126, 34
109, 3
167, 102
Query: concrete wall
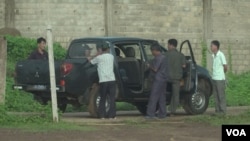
231, 25
196, 20
2, 13
69, 18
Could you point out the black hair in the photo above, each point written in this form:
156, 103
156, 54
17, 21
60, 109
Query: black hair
105, 46
105, 49
216, 43
41, 39
155, 47
173, 42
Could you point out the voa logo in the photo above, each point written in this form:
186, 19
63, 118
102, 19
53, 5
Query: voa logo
236, 132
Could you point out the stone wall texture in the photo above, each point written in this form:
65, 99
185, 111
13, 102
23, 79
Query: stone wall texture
196, 20
2, 13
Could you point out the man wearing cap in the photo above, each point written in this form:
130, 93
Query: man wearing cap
105, 68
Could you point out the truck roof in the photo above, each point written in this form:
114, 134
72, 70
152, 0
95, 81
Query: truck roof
111, 39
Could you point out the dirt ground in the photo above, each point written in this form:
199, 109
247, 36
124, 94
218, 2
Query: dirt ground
123, 129
154, 132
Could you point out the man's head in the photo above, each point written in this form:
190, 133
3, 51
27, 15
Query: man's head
155, 49
105, 47
172, 44
215, 46
41, 43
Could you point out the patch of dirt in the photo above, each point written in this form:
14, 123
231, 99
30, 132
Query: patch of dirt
130, 126
151, 131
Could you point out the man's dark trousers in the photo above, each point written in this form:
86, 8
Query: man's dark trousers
107, 89
175, 96
157, 95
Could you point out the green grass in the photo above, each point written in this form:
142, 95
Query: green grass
221, 119
49, 127
237, 90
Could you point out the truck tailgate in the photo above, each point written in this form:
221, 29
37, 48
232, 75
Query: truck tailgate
35, 72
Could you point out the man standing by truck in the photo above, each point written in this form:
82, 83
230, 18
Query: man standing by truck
40, 52
159, 77
105, 68
176, 62
218, 76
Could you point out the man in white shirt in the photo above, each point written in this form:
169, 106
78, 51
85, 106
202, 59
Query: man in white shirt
105, 68
219, 78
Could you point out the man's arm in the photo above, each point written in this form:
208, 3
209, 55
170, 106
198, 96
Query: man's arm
225, 68
152, 68
95, 59
224, 62
156, 64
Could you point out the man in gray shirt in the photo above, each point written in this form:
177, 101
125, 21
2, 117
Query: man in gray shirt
159, 87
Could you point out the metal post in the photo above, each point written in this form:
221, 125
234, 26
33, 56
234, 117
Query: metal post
52, 74
3, 60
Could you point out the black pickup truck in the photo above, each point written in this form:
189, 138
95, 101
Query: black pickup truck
77, 79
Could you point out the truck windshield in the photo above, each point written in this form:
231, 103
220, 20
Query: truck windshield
83, 49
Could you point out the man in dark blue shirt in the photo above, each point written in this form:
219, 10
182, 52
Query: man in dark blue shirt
159, 75
40, 53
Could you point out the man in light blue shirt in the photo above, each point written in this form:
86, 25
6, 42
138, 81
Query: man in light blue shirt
219, 78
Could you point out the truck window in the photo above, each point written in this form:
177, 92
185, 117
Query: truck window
83, 50
148, 51
129, 48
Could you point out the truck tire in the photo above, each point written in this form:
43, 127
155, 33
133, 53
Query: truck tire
197, 103
44, 101
142, 107
62, 107
94, 99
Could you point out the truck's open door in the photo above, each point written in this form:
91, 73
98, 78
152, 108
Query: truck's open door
190, 72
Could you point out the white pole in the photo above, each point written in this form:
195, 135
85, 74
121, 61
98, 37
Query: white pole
52, 74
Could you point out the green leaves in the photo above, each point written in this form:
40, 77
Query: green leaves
204, 54
238, 90
19, 48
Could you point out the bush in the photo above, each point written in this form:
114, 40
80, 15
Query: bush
237, 90
19, 48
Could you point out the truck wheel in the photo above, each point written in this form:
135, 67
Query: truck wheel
94, 101
197, 103
142, 107
41, 100
62, 107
